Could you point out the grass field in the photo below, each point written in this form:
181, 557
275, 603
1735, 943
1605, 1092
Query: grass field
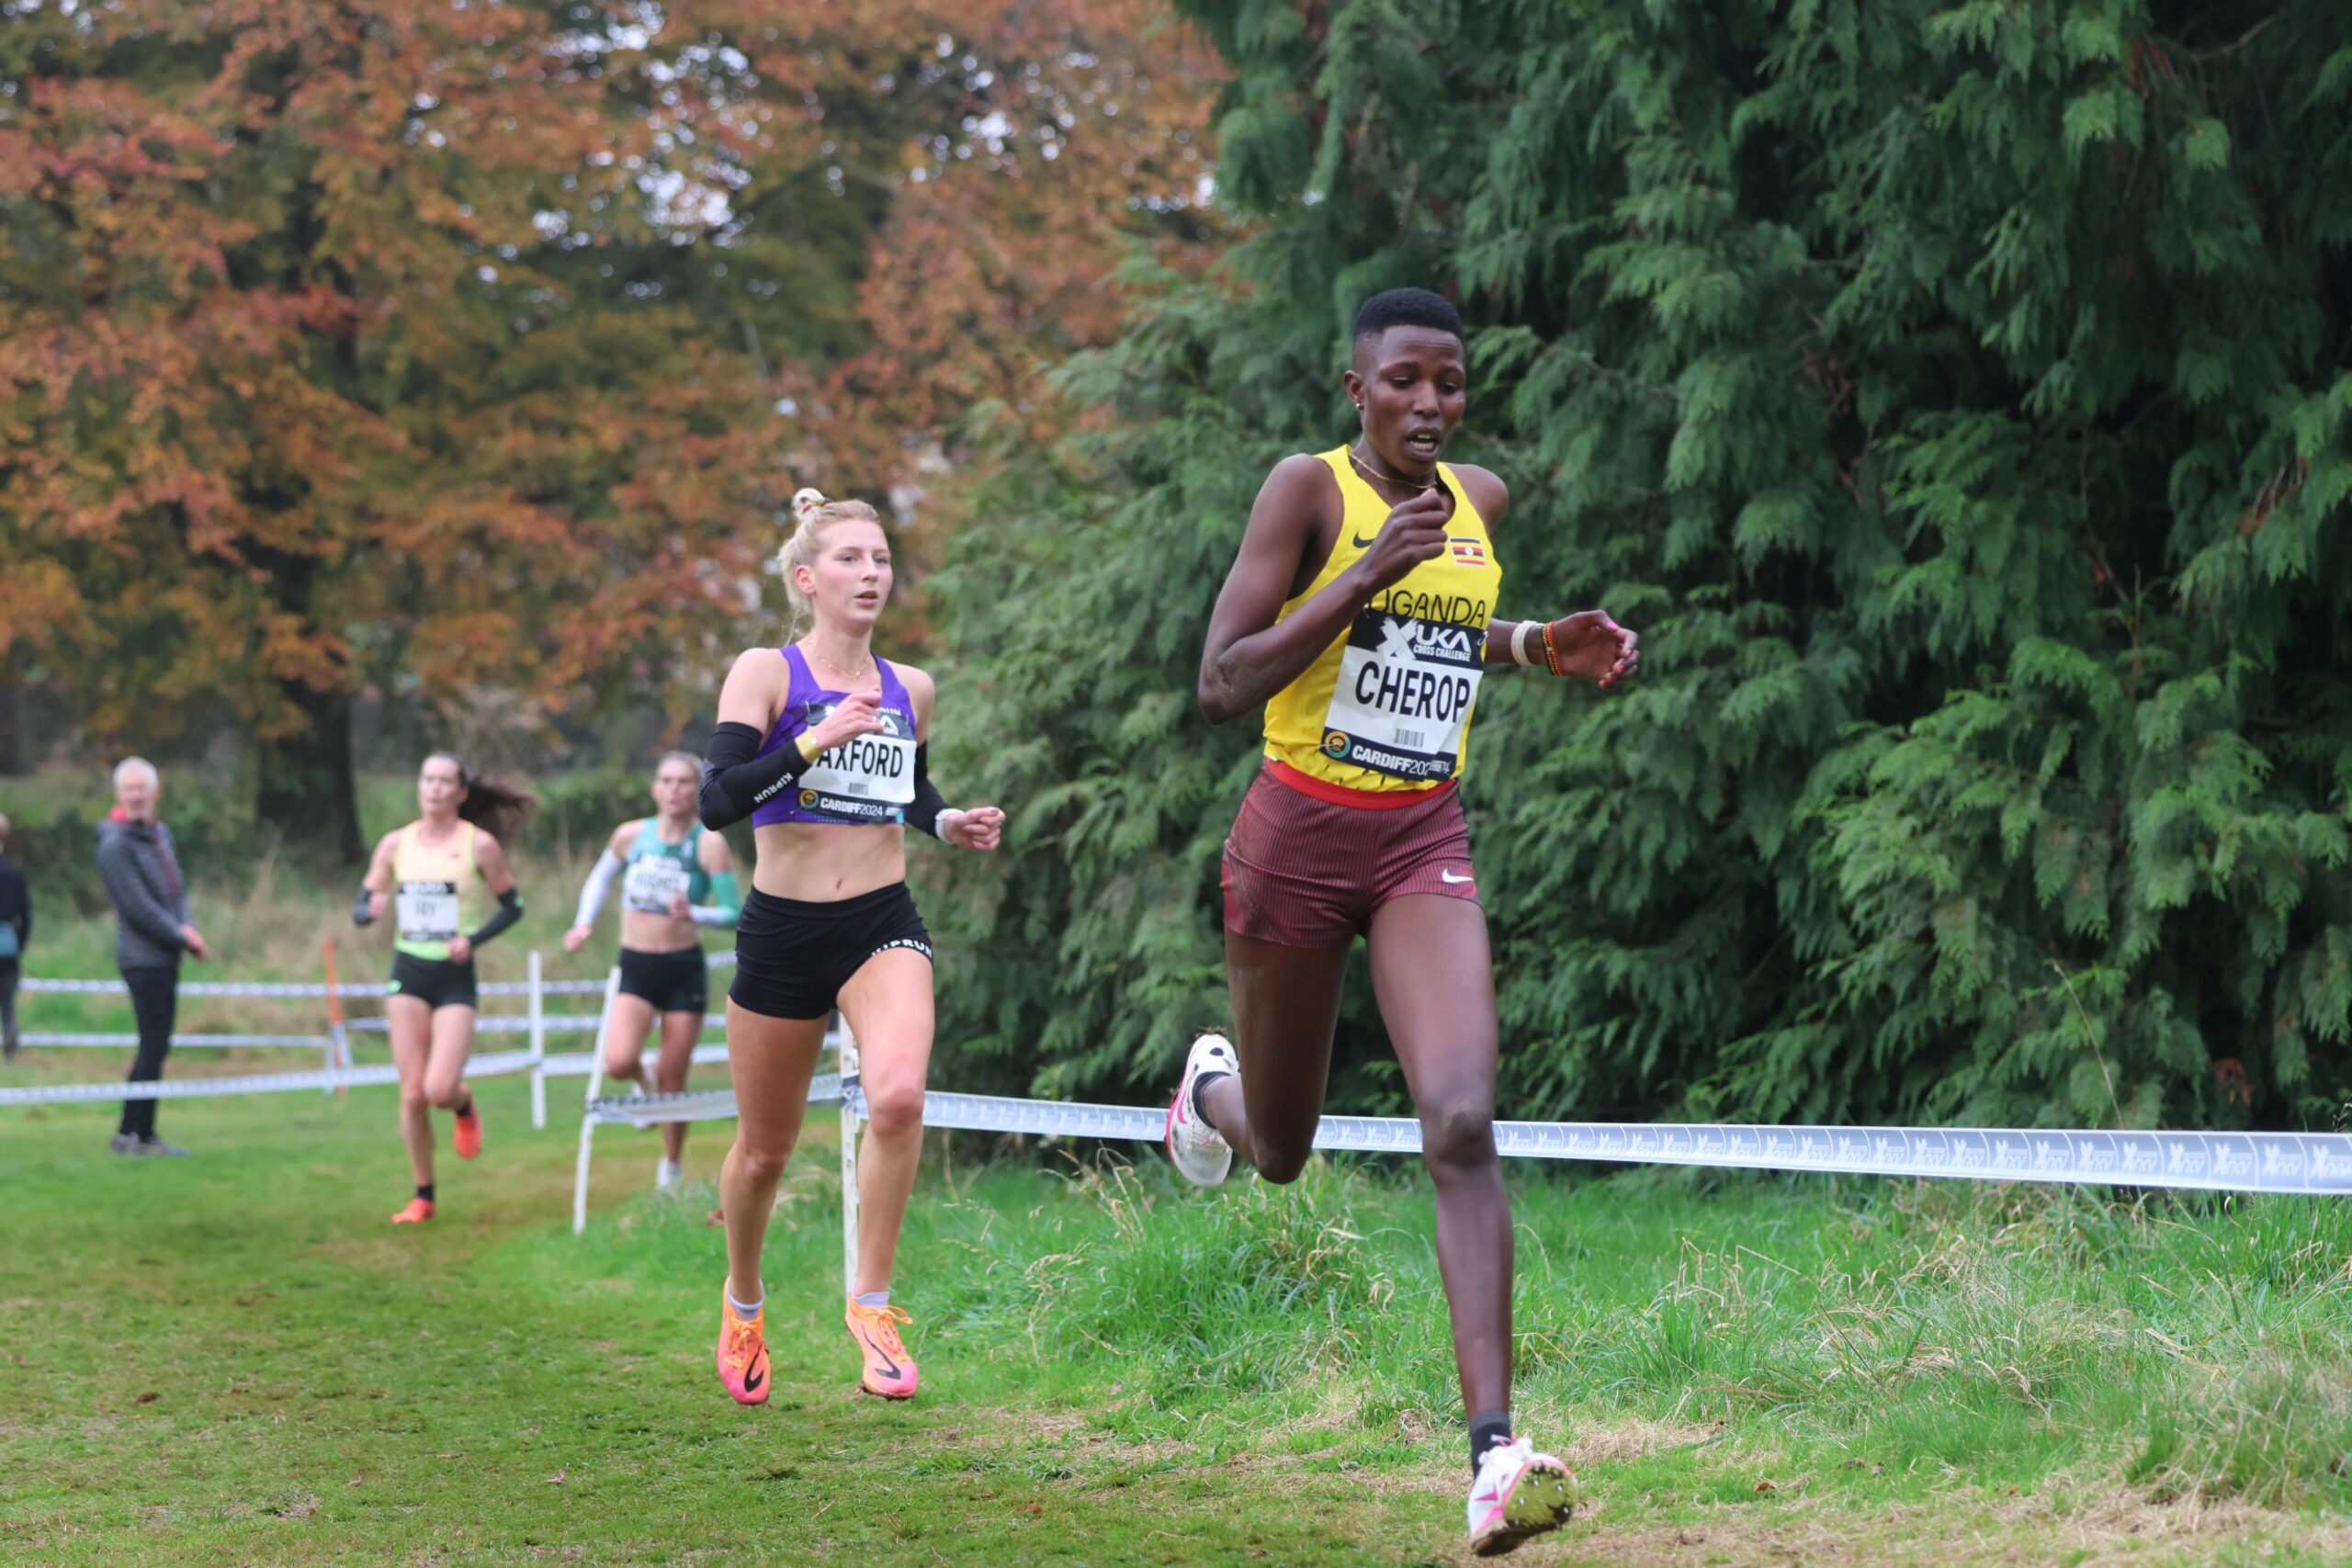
234, 1359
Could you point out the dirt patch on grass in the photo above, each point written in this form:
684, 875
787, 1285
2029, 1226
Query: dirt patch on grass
1635, 1438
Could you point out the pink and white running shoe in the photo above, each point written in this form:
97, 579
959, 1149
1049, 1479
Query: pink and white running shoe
1197, 1150
1518, 1494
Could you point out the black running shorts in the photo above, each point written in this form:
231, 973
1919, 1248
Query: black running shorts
673, 982
435, 982
793, 958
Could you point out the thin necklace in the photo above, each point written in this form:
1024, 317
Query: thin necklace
851, 675
1370, 472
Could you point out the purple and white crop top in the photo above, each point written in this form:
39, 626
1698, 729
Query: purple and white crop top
866, 782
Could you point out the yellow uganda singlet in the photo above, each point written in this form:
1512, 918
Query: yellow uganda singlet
1387, 707
436, 891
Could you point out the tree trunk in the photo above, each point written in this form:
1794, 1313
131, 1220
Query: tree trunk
306, 790
12, 733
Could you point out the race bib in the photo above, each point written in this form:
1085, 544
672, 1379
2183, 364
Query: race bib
428, 912
1404, 696
868, 779
652, 881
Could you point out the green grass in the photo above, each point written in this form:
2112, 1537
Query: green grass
234, 1359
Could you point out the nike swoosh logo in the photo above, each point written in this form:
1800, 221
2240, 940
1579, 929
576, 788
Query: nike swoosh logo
889, 1367
1363, 543
1449, 876
752, 1383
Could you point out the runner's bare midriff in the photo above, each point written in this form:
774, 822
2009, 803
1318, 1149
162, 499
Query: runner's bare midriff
821, 861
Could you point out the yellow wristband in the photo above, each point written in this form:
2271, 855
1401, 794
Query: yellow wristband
802, 742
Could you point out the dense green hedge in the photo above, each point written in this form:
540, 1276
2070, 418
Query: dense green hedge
1956, 397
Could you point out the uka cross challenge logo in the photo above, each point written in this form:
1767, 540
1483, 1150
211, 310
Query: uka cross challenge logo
1402, 695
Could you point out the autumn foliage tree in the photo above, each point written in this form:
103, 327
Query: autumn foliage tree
467, 351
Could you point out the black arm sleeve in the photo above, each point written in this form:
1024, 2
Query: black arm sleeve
925, 809
510, 909
361, 915
735, 781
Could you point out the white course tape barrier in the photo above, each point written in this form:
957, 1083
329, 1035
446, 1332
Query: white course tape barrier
2307, 1164
693, 1105
123, 1041
2240, 1162
496, 1065
196, 988
486, 1023
311, 987
643, 1110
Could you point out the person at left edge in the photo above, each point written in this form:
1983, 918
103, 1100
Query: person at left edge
16, 935
436, 873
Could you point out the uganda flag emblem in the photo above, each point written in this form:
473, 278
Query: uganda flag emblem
1466, 550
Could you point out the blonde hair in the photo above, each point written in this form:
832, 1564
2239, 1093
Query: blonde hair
812, 514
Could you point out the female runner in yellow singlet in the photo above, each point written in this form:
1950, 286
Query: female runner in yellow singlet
436, 875
1361, 615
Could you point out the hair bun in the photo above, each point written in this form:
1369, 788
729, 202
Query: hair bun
804, 500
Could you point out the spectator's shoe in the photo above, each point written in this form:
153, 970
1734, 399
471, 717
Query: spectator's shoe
135, 1144
465, 1134
9, 1044
149, 1144
416, 1212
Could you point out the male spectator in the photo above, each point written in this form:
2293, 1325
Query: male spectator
151, 931
16, 935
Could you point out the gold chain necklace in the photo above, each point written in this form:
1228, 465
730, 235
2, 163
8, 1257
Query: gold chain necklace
1370, 472
851, 676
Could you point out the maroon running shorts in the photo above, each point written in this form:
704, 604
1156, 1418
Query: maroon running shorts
1307, 862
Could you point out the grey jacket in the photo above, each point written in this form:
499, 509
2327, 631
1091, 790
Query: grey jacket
150, 897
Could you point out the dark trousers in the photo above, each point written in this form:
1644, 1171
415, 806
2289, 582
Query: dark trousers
8, 998
154, 1002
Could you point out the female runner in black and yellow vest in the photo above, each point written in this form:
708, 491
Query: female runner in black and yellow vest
436, 877
1361, 613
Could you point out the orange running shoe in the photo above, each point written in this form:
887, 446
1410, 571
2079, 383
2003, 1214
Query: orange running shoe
467, 1133
419, 1210
742, 1351
889, 1370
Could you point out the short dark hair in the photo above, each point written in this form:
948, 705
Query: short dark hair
1406, 308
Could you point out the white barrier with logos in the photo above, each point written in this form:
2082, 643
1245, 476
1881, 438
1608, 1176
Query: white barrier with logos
2307, 1164
337, 1071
